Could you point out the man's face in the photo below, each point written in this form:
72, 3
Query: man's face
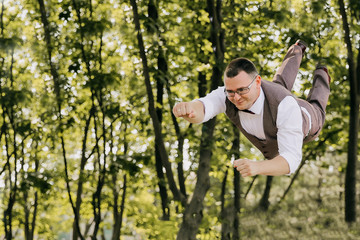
242, 81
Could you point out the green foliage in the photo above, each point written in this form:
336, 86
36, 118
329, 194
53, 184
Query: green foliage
102, 80
14, 98
7, 44
38, 181
130, 163
92, 27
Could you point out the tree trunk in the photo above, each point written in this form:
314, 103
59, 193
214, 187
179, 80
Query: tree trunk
10, 154
193, 212
96, 198
119, 219
264, 202
156, 124
27, 215
99, 115
180, 166
162, 186
180, 138
250, 186
81, 173
119, 212
8, 216
160, 79
8, 213
33, 221
202, 84
56, 80
350, 178
30, 223
102, 153
230, 214
237, 197
224, 213
2, 18
237, 206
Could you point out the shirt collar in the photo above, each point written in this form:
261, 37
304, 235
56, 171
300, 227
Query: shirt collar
258, 105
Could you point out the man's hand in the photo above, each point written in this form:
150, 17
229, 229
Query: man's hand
184, 109
246, 167
191, 111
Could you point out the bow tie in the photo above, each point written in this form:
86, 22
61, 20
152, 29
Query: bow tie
247, 111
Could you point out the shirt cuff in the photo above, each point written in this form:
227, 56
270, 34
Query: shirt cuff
292, 161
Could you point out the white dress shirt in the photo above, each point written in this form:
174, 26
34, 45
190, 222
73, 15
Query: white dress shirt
289, 123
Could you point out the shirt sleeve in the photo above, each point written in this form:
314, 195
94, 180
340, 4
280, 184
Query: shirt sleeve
290, 134
214, 103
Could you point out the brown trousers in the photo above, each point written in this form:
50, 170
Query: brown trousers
318, 96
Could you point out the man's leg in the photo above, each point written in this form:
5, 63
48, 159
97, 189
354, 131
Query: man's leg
318, 99
289, 68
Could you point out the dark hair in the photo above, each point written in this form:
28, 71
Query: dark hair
240, 64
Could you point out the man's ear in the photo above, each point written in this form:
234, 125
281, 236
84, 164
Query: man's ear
258, 80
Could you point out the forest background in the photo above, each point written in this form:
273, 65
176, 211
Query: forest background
90, 148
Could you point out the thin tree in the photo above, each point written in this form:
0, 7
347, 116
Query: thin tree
230, 222
4, 133
31, 217
237, 197
161, 79
264, 201
97, 117
118, 209
193, 212
225, 211
9, 101
152, 111
354, 81
10, 133
59, 102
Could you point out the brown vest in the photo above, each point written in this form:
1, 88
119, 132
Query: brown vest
274, 94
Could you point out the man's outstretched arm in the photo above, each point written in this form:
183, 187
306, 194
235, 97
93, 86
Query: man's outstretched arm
274, 167
192, 112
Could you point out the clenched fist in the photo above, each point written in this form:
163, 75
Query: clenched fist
191, 111
184, 109
246, 167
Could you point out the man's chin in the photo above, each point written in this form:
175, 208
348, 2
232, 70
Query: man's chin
240, 106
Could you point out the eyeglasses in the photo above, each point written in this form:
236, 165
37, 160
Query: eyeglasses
240, 91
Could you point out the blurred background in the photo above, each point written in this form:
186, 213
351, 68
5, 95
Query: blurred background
91, 150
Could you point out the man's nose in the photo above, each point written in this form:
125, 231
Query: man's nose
237, 96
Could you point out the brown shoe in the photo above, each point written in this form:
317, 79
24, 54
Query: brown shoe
301, 44
323, 67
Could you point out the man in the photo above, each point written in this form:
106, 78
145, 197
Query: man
266, 112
